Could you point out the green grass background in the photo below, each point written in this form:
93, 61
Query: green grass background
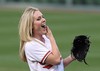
65, 26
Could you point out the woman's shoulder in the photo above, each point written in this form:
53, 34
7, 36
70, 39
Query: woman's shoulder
29, 43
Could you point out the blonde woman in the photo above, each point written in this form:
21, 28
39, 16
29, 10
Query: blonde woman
37, 45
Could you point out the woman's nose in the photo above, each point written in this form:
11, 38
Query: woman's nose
44, 20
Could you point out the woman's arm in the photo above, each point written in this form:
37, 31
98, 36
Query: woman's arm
68, 60
54, 57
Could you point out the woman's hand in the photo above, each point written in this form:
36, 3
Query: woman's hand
49, 33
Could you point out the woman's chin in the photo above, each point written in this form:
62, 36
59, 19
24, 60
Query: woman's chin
44, 33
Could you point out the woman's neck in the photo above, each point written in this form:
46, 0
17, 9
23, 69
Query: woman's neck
39, 37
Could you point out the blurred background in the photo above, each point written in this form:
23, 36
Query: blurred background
66, 18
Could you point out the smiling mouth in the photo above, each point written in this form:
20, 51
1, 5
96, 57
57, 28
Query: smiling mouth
43, 25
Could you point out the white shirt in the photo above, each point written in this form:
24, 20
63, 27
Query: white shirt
36, 53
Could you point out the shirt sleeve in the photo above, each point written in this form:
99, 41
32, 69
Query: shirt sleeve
36, 52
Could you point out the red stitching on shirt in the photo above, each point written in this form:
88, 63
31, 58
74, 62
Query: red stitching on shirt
48, 66
44, 57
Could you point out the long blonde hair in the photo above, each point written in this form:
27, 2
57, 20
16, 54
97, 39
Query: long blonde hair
25, 29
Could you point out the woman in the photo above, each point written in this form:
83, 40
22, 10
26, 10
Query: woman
37, 45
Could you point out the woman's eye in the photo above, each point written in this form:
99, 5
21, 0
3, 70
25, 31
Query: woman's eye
38, 19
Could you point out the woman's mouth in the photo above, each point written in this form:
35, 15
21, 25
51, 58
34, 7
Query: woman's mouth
43, 25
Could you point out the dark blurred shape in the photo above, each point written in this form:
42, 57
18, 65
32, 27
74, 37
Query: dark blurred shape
60, 2
19, 0
40, 1
86, 2
96, 2
13, 0
57, 1
83, 2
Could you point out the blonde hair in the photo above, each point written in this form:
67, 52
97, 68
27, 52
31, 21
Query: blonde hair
25, 29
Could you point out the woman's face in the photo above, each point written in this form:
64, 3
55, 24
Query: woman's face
39, 22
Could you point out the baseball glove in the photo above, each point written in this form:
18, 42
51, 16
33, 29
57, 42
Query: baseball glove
80, 47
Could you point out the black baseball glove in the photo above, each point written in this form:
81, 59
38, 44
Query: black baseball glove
80, 47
